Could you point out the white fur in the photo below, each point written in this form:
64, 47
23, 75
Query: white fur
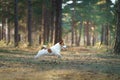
55, 51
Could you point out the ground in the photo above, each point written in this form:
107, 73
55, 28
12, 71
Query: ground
76, 64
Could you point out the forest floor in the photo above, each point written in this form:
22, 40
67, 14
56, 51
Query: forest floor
77, 63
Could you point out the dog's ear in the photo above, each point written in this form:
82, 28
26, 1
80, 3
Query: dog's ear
61, 41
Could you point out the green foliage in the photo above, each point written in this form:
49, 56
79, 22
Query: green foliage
37, 7
98, 12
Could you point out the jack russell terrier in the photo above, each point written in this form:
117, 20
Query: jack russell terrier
54, 50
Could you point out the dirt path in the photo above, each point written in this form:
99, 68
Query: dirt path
76, 64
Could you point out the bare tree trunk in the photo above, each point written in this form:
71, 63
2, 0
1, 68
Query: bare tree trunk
73, 28
40, 30
42, 23
9, 33
1, 32
47, 23
84, 31
93, 34
80, 33
117, 39
72, 34
6, 30
29, 23
58, 27
45, 33
105, 33
52, 28
3, 19
76, 37
16, 23
88, 33
2, 29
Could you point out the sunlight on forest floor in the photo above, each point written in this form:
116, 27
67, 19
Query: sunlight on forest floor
77, 64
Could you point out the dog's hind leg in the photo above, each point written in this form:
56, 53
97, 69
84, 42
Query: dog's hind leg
40, 53
59, 55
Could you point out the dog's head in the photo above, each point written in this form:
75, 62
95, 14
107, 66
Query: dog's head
62, 44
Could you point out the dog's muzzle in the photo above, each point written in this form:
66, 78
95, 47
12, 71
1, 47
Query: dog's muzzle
64, 47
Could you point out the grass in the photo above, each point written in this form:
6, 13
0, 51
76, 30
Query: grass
76, 64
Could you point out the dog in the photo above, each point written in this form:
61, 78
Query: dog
54, 50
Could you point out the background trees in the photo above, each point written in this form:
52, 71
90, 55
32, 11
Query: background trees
95, 17
85, 22
37, 21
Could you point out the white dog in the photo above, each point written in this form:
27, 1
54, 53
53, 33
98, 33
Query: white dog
54, 50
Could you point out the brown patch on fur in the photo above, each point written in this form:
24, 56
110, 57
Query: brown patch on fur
61, 42
49, 50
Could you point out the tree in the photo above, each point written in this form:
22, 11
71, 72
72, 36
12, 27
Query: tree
117, 39
29, 25
52, 28
16, 39
93, 14
46, 16
58, 27
104, 34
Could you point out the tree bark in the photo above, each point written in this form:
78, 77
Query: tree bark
16, 23
104, 34
46, 23
88, 34
58, 27
29, 23
52, 28
117, 39
73, 28
93, 35
80, 33
6, 30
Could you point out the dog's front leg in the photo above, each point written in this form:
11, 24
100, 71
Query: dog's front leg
59, 55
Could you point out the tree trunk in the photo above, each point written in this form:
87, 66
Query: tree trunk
87, 33
2, 28
1, 32
8, 33
3, 10
52, 28
104, 34
76, 37
16, 23
72, 35
84, 36
42, 23
46, 23
6, 30
29, 23
117, 39
80, 33
107, 34
93, 35
40, 29
58, 28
